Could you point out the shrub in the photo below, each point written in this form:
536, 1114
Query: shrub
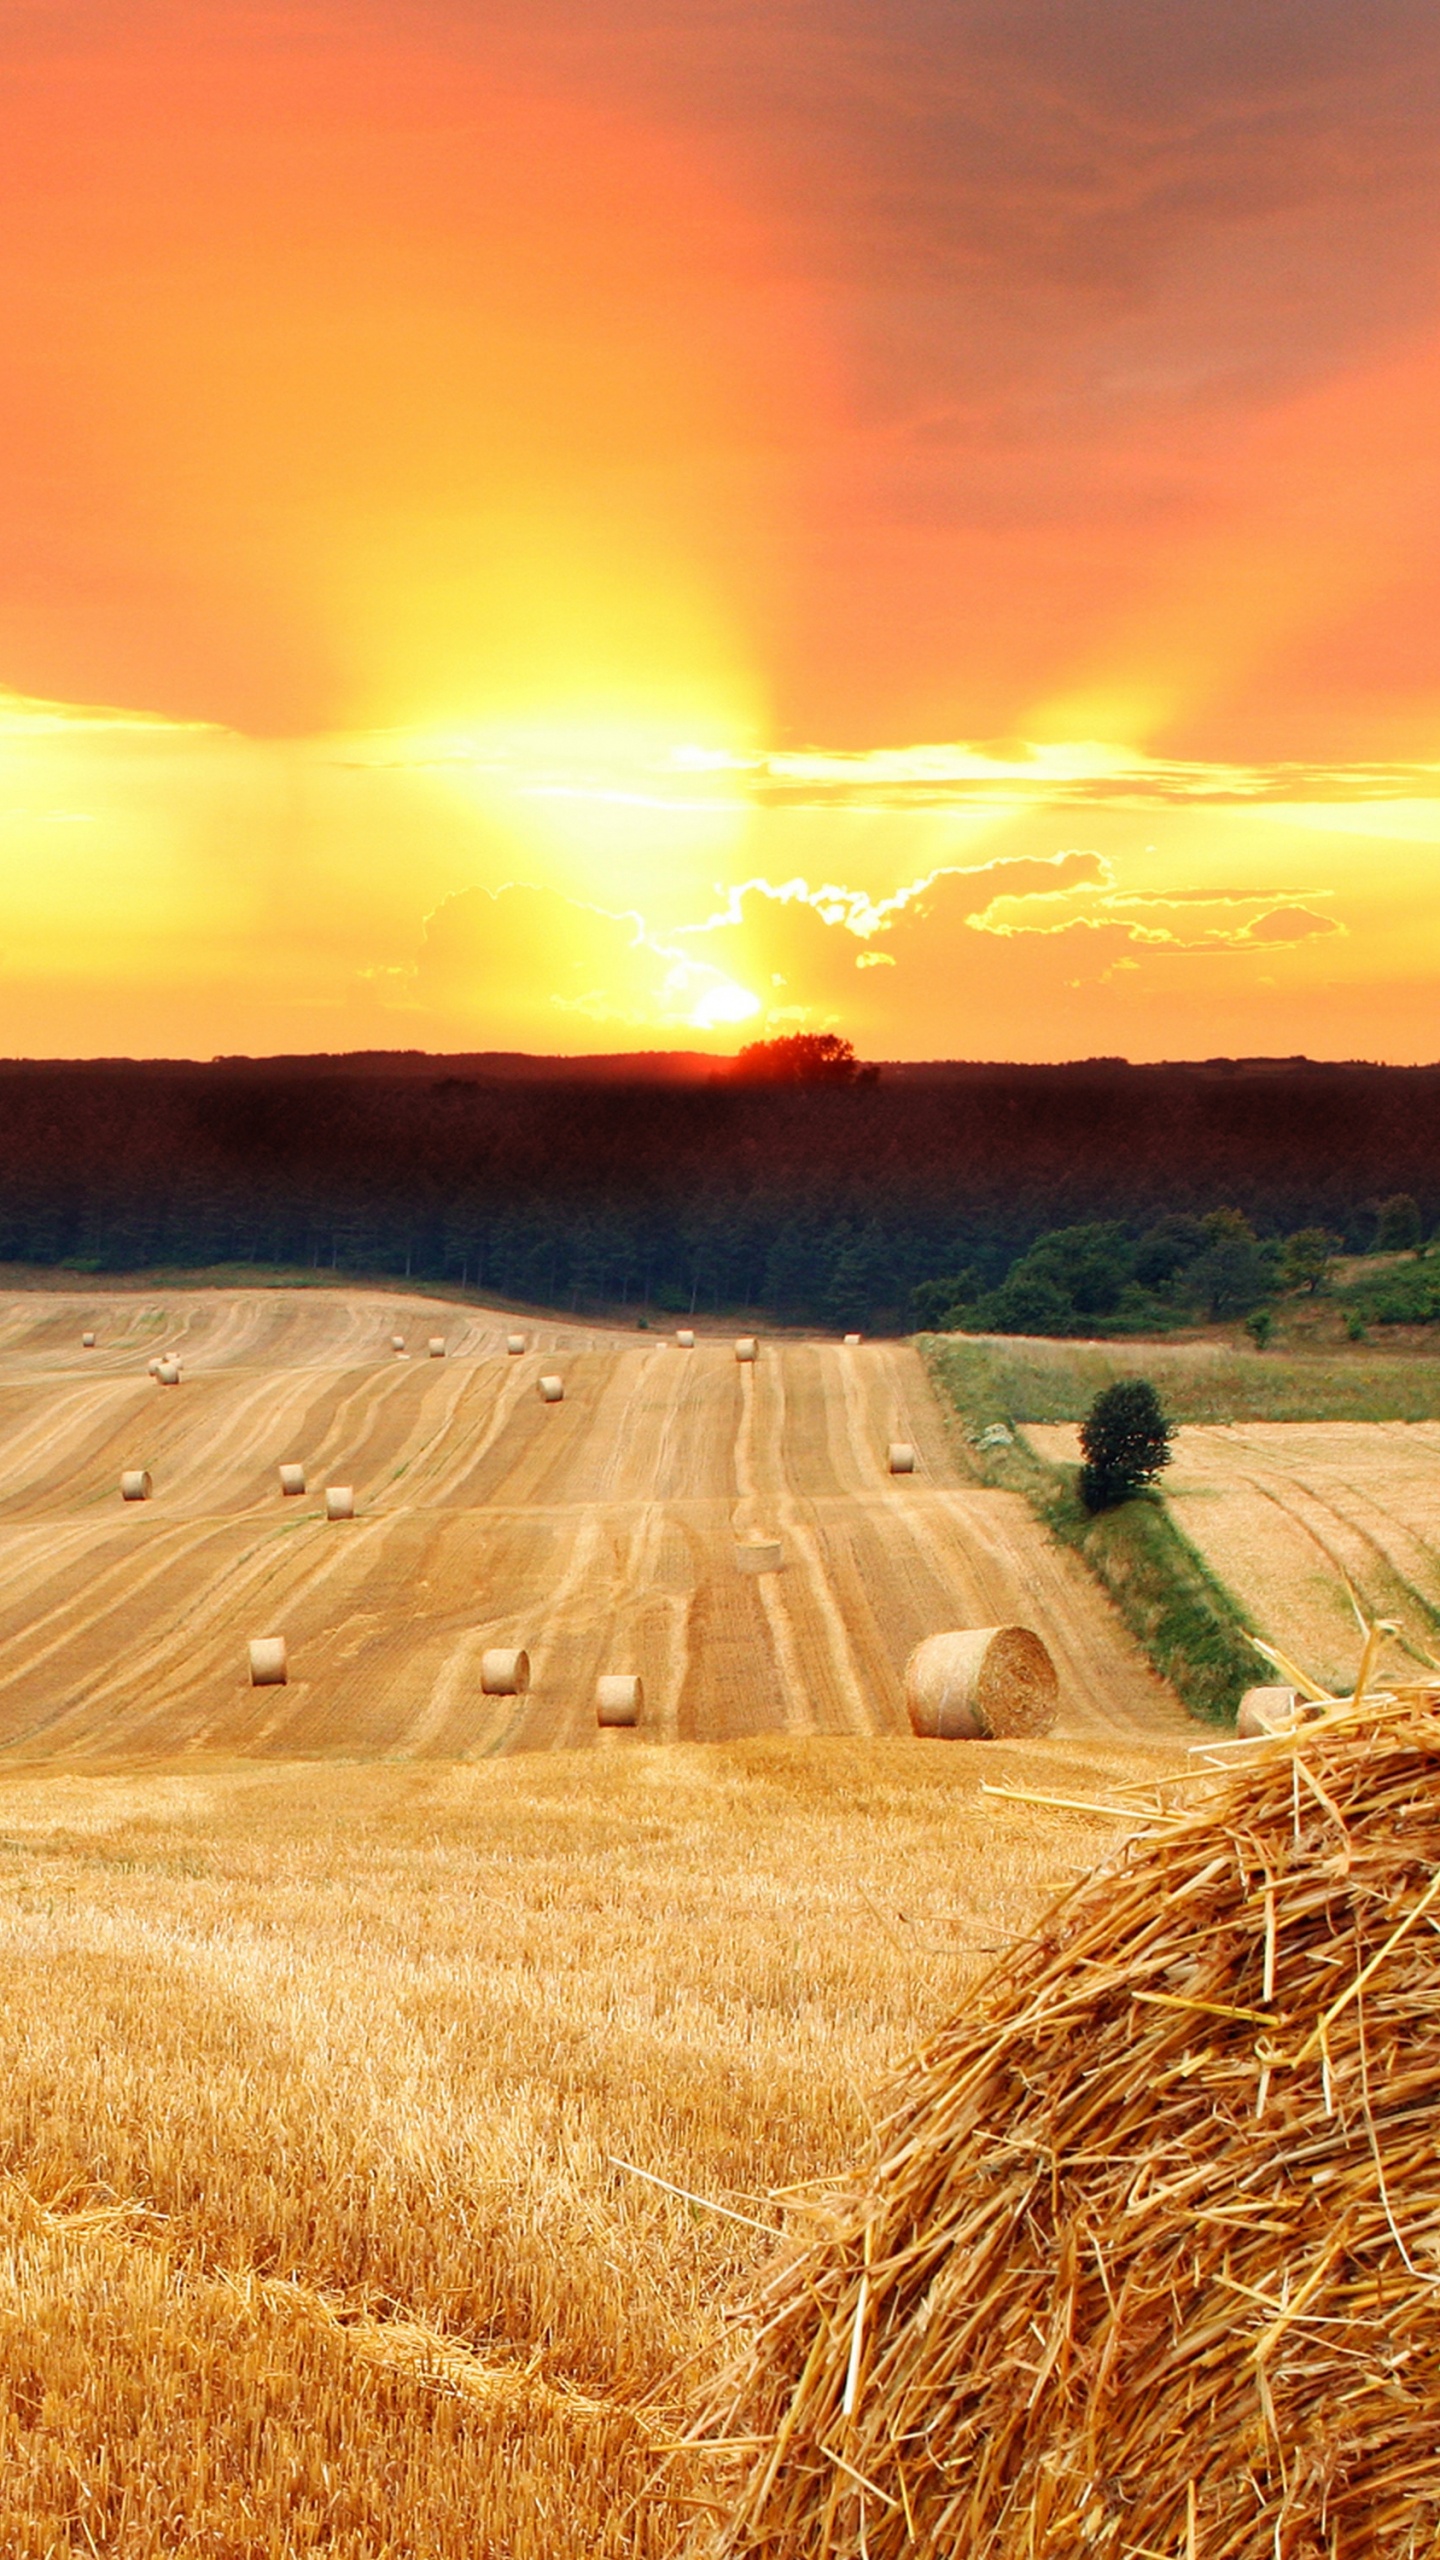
1126, 1440
1399, 1228
1260, 1326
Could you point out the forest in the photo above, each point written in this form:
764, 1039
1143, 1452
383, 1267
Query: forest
829, 1200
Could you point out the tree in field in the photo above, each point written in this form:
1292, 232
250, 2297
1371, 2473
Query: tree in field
1309, 1258
1126, 1440
801, 1057
1399, 1230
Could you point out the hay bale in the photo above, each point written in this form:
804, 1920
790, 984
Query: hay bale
976, 1683
552, 1390
292, 1479
902, 1458
397, 1341
1268, 1711
514, 1344
758, 1555
745, 1347
619, 1698
87, 1341
269, 1662
436, 1346
168, 1372
135, 1485
339, 1502
1146, 2257
152, 1368
851, 1341
686, 1338
505, 1671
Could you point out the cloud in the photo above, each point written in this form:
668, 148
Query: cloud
504, 960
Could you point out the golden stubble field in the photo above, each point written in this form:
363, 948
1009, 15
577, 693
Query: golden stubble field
1292, 1514
329, 2011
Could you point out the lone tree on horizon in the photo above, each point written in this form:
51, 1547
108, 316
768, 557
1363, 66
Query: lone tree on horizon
1126, 1440
801, 1057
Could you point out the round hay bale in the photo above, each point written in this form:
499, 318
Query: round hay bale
759, 1555
339, 1502
436, 1346
292, 1479
135, 1485
514, 1344
168, 1372
686, 1338
1151, 2219
1269, 1711
745, 1347
981, 1684
619, 1698
152, 1369
269, 1662
851, 1340
87, 1341
552, 1390
397, 1341
505, 1671
902, 1458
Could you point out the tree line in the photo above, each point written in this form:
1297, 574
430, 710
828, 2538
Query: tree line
829, 1200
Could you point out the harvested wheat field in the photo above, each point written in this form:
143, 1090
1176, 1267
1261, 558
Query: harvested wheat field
600, 1534
315, 2079
1147, 2257
1288, 1514
331, 2007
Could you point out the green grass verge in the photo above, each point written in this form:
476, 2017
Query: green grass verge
1002, 1379
1191, 1627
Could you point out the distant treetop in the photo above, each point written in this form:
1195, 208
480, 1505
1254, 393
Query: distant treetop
801, 1057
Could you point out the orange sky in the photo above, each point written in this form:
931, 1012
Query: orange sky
531, 524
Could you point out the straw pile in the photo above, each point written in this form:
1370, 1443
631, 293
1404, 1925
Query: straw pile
1150, 2259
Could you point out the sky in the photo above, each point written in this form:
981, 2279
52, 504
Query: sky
593, 525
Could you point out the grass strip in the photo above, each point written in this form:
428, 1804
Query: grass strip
1189, 1625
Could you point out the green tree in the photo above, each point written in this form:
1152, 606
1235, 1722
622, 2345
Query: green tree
1399, 1229
1309, 1258
933, 1302
1233, 1272
1090, 1265
1260, 1324
1125, 1439
1027, 1302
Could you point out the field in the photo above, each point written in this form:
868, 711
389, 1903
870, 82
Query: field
600, 1533
330, 2010
1290, 1514
1024, 1379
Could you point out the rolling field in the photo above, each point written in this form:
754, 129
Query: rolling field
599, 1532
331, 2012
1289, 1513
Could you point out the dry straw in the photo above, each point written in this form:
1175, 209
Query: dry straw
1149, 2259
1268, 1711
975, 1683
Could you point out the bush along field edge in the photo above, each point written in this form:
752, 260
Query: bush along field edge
1192, 1629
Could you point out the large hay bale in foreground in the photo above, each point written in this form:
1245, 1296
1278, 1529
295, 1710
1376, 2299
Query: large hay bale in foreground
1150, 2257
973, 1684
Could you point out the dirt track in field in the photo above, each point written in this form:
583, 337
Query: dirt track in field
600, 1532
1289, 1514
